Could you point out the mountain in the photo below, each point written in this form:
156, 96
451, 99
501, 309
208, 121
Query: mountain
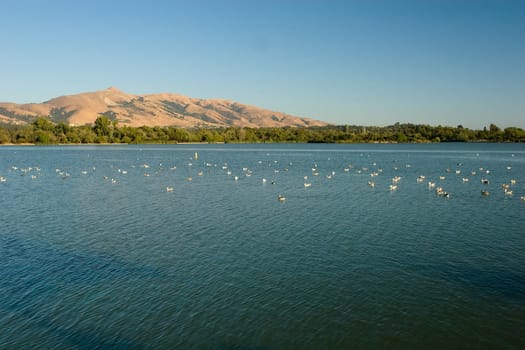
163, 109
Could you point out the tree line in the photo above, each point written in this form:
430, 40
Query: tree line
105, 130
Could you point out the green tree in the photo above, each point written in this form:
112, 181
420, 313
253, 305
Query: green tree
495, 133
73, 136
44, 137
102, 126
513, 134
401, 137
86, 134
5, 136
43, 124
25, 134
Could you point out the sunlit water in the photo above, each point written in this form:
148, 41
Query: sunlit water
97, 254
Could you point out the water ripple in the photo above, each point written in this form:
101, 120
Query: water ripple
220, 263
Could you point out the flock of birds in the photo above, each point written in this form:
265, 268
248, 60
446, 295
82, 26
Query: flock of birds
507, 187
372, 173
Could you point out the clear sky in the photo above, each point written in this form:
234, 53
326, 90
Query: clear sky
367, 62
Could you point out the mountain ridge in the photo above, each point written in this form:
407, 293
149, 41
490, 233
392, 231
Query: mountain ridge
161, 109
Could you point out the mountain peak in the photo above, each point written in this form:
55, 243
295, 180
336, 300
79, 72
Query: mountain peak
113, 89
152, 110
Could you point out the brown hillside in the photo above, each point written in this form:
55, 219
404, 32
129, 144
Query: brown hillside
163, 109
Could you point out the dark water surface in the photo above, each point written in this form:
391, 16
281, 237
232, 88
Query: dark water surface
97, 254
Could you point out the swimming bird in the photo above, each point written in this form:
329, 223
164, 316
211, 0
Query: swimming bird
441, 192
169, 189
281, 198
485, 193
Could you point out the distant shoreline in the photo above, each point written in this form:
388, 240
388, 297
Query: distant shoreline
105, 131
246, 143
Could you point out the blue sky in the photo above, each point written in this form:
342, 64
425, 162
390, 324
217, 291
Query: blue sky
369, 62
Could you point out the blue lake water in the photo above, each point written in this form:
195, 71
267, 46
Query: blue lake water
97, 253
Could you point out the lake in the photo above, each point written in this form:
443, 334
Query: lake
190, 247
